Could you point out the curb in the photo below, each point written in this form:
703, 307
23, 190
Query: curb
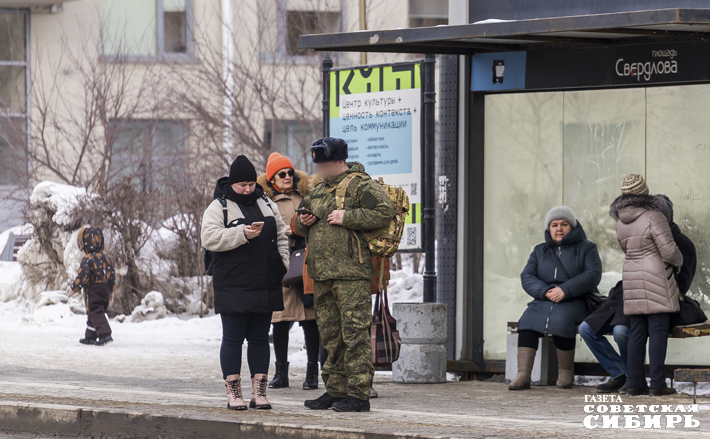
120, 424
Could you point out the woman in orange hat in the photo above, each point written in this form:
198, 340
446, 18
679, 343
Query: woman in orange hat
287, 187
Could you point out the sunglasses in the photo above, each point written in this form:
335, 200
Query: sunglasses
283, 174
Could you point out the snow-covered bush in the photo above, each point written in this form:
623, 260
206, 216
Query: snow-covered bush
152, 307
147, 256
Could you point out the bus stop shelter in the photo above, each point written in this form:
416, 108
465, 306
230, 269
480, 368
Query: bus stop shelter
535, 113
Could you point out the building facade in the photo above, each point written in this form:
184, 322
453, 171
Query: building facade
107, 90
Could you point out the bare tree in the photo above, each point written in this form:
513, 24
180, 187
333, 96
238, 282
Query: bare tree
95, 121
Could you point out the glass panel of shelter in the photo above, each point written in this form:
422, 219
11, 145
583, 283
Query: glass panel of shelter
545, 149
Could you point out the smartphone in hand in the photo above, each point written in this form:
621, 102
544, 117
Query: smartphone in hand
257, 225
304, 211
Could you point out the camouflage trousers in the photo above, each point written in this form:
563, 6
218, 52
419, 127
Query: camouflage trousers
343, 314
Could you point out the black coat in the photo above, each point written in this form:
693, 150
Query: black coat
612, 311
248, 278
687, 271
543, 272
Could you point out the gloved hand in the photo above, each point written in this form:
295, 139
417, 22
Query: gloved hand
70, 292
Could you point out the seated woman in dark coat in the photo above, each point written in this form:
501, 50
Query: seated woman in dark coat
559, 273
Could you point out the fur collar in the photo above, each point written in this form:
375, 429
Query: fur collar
304, 184
646, 202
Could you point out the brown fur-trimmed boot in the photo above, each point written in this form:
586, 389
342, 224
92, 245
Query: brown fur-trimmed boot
258, 392
526, 358
565, 369
235, 399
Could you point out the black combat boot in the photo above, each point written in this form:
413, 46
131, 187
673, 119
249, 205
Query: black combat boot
351, 404
280, 376
104, 340
311, 382
323, 402
87, 341
613, 385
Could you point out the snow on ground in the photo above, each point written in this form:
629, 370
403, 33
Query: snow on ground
169, 347
175, 346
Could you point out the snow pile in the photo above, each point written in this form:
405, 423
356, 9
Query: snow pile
52, 215
404, 287
61, 199
10, 280
152, 307
47, 298
60, 313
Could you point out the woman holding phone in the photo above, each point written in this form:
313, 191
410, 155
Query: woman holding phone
248, 237
287, 187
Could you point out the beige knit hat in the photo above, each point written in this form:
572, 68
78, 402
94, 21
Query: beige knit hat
634, 184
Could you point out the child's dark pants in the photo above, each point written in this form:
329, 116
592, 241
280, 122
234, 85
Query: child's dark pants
97, 297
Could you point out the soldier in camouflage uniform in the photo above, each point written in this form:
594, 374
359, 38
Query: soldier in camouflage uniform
339, 262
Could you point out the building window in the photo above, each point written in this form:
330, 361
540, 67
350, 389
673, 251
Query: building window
308, 22
146, 29
148, 152
13, 97
427, 13
293, 139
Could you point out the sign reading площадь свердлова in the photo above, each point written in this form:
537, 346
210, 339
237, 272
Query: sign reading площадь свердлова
377, 110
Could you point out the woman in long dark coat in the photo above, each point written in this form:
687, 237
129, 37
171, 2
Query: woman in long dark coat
559, 273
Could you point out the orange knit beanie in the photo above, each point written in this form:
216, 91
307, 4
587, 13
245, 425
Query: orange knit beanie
276, 163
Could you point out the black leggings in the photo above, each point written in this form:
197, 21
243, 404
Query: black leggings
254, 327
529, 339
310, 332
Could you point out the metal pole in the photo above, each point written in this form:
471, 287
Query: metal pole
363, 26
326, 66
430, 185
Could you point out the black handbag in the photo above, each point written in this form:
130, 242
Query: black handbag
208, 256
690, 312
594, 300
294, 276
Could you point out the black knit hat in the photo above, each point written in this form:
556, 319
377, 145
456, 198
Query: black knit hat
241, 170
329, 149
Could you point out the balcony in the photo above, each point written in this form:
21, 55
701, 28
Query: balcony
38, 6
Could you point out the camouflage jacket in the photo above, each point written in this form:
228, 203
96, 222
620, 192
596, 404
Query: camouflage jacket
333, 250
95, 268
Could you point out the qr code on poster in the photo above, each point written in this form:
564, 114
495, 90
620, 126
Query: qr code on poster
413, 189
411, 236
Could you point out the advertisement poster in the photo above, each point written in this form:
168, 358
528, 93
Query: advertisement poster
377, 110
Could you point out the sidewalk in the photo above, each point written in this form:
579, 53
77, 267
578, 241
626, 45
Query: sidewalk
36, 400
162, 379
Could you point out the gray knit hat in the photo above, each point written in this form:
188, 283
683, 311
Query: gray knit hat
560, 213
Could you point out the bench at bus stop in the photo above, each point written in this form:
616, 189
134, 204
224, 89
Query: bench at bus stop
545, 366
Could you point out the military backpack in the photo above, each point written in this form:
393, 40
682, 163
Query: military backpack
382, 242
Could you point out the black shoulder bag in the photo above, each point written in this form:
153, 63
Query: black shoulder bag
209, 255
594, 299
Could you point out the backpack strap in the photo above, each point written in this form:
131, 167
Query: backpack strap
380, 273
342, 188
223, 202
